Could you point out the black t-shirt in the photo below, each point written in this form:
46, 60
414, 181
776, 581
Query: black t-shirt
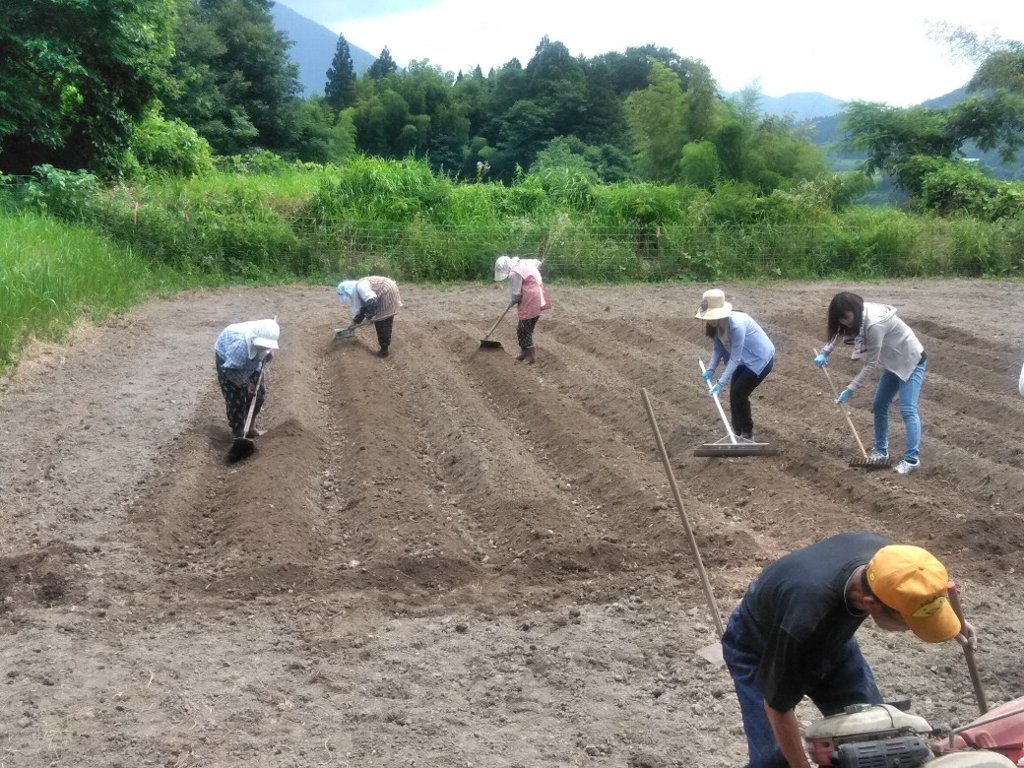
795, 616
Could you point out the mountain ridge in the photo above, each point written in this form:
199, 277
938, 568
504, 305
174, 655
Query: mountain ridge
313, 47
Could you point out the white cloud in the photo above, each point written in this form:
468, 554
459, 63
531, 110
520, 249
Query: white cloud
873, 50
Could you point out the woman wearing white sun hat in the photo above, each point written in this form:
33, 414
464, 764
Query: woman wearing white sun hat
746, 349
240, 352
526, 289
373, 299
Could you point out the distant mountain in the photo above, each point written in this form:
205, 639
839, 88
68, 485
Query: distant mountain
313, 48
801, 106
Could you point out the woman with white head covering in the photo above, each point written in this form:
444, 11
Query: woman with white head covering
747, 351
240, 352
373, 299
526, 289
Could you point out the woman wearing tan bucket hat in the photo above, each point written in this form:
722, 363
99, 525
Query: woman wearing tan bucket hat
747, 351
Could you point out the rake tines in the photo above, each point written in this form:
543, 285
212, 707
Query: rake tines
869, 463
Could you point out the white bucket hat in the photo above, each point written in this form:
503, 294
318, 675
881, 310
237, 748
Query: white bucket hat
503, 266
713, 306
265, 334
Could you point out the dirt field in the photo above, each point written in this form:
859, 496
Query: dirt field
447, 558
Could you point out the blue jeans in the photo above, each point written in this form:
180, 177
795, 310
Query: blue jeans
850, 682
890, 385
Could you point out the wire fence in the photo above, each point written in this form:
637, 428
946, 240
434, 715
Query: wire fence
248, 240
926, 247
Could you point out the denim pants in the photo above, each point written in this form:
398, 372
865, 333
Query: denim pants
890, 385
851, 681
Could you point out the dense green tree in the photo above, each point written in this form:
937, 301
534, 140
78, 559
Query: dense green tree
340, 90
922, 150
382, 66
231, 77
890, 135
170, 147
74, 77
699, 165
656, 123
314, 132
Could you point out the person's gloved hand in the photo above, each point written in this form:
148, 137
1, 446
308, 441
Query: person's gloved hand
716, 389
820, 359
250, 387
968, 637
359, 317
270, 355
707, 375
845, 395
515, 300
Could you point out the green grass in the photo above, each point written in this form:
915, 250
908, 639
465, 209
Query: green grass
52, 274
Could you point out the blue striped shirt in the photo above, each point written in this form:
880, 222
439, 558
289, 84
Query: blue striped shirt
749, 345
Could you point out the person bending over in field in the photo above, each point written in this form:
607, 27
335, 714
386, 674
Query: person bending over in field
888, 341
526, 290
241, 352
792, 635
373, 299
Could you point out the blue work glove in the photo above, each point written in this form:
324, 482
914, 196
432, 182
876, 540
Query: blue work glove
716, 389
706, 376
820, 359
845, 395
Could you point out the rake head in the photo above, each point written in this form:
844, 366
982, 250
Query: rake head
742, 447
871, 463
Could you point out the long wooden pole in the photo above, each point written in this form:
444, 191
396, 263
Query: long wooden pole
712, 603
843, 408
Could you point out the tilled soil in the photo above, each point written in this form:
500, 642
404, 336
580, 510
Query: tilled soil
446, 558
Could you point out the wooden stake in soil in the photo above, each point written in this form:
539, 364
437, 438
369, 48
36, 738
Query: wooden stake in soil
712, 653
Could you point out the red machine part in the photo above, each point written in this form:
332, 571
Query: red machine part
999, 730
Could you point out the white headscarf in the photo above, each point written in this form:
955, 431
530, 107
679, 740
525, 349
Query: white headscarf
503, 266
261, 335
346, 289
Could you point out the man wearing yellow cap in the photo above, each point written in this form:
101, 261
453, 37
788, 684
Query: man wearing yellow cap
792, 635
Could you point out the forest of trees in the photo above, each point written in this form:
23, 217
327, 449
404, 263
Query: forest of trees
170, 86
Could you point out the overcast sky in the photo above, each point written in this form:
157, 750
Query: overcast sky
871, 50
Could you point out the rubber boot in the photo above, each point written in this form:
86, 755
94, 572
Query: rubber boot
383, 351
529, 355
521, 355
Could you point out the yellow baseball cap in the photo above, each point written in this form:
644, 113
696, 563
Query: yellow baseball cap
912, 582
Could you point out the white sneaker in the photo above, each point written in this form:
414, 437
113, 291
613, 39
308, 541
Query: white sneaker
877, 455
906, 467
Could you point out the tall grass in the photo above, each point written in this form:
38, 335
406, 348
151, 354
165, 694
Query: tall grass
53, 273
271, 220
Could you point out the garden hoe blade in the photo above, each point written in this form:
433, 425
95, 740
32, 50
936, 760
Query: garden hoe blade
241, 448
713, 654
487, 342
